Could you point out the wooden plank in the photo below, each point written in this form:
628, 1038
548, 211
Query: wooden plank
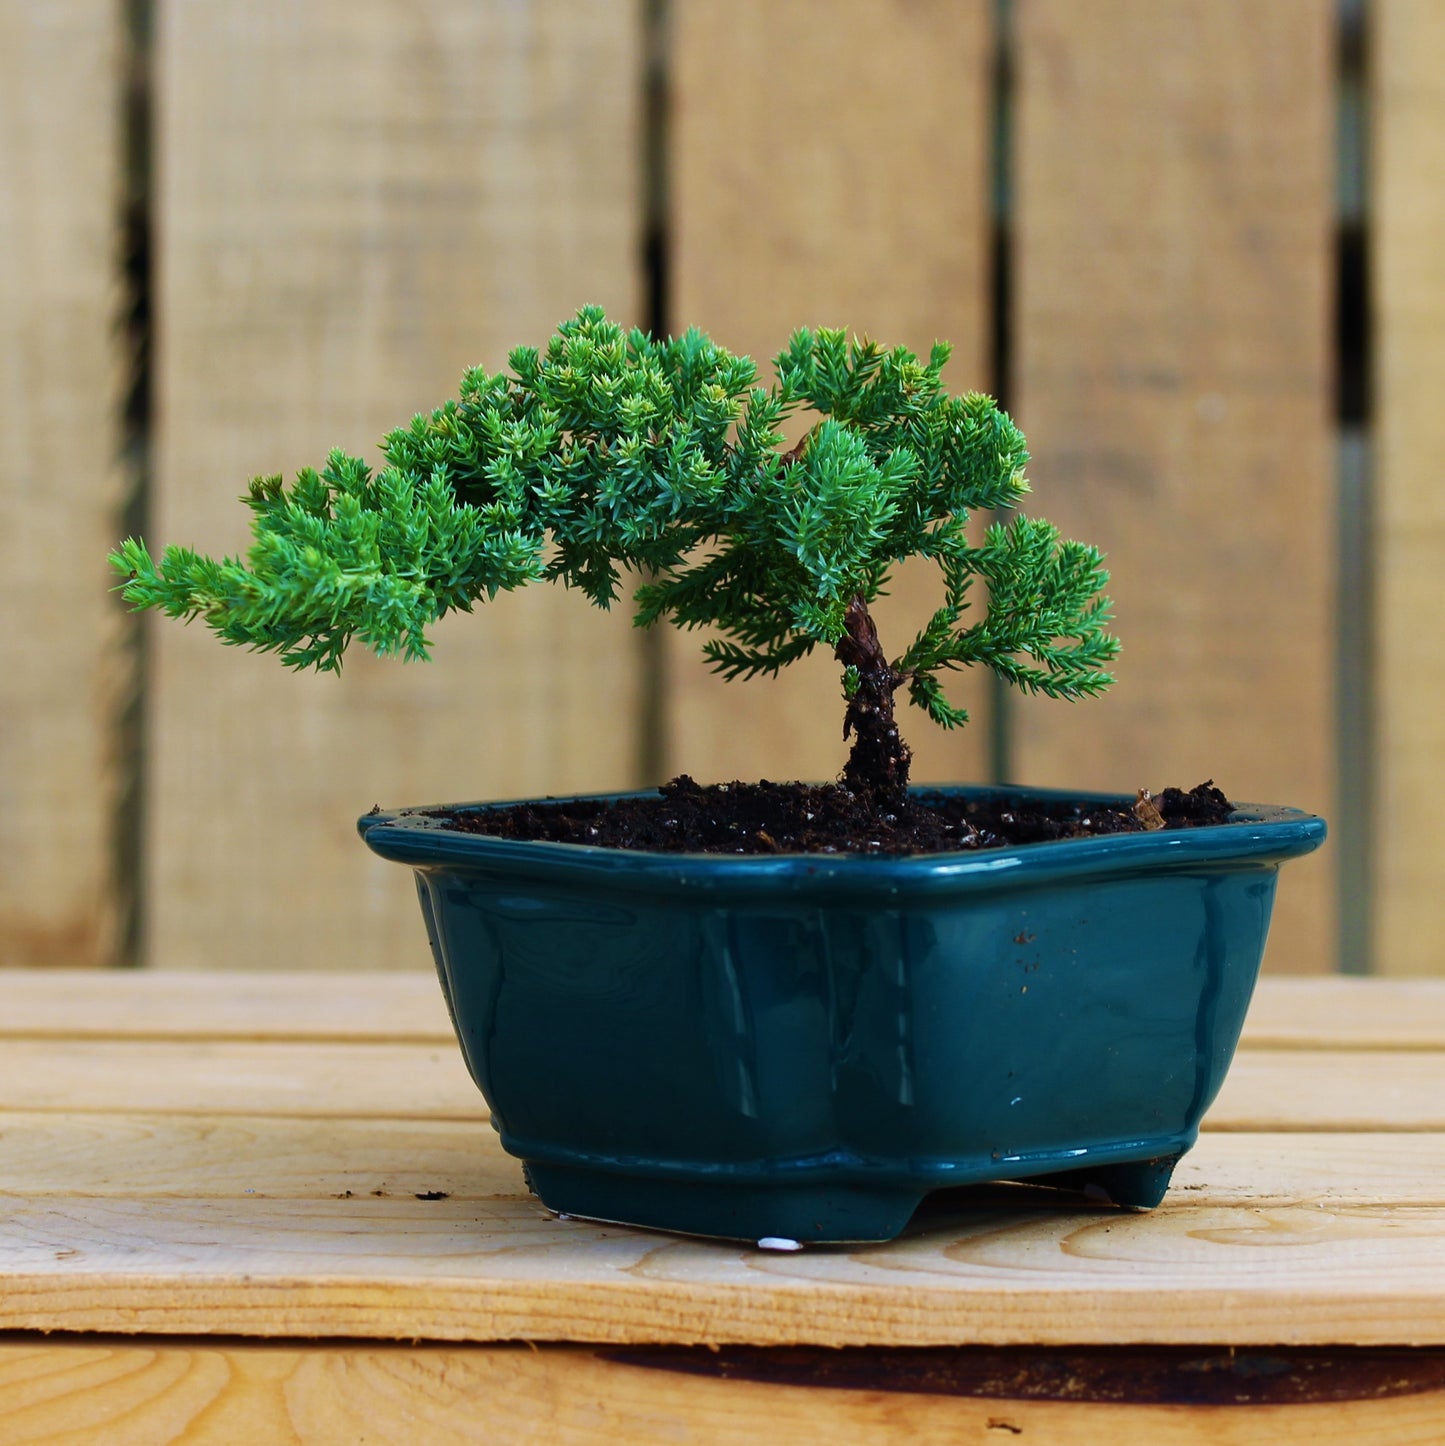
139, 1156
1336, 1013
104, 1392
1345, 1013
1304, 1273
134, 1156
61, 480
1408, 192
356, 201
877, 221
1172, 274
406, 1006
394, 1005
206, 1078
1291, 1089
1299, 1089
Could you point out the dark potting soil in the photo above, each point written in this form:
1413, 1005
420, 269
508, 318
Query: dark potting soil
790, 818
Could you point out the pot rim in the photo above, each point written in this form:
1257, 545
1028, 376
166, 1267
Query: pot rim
1256, 836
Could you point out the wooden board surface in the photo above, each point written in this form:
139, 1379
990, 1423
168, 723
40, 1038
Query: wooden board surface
356, 201
804, 189
1408, 190
406, 1007
246, 1159
1346, 1013
1304, 1272
393, 1005
306, 1187
1173, 170
1292, 1089
62, 671
202, 1393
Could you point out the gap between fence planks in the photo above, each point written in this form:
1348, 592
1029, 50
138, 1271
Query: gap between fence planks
338, 1394
357, 200
803, 193
64, 673
1408, 285
407, 1007
1172, 265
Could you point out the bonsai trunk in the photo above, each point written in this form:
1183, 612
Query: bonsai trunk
878, 764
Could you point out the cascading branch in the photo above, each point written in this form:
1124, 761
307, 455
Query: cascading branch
612, 450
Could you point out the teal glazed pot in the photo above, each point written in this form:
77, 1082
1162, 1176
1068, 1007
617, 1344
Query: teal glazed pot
804, 1046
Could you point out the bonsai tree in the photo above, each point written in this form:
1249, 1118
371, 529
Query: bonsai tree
612, 450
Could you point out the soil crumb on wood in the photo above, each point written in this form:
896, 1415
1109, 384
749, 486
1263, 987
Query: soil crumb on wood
792, 818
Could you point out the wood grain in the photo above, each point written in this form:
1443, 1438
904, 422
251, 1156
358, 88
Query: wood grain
829, 167
201, 1393
1290, 1089
1173, 169
264, 1156
395, 1005
350, 1189
245, 1157
356, 201
1298, 1089
406, 1006
1345, 1013
61, 482
224, 1077
1408, 191
1302, 1273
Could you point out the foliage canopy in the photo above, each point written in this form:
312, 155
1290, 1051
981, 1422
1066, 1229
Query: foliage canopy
611, 450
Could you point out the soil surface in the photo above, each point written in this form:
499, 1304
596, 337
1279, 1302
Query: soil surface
791, 818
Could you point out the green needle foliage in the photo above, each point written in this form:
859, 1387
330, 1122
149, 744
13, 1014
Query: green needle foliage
613, 451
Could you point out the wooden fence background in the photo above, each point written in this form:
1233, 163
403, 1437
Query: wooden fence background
234, 235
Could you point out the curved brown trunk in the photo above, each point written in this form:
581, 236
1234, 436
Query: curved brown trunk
878, 763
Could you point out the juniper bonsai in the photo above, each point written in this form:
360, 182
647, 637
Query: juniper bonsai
614, 451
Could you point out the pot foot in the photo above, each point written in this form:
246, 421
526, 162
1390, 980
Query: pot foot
1134, 1184
832, 1214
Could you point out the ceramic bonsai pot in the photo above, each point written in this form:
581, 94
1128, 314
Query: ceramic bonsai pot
805, 1046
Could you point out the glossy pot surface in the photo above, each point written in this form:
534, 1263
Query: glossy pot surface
804, 1046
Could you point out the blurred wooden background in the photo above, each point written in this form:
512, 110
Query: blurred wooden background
1195, 246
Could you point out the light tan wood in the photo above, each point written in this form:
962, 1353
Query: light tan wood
206, 1394
1173, 168
1304, 1272
1346, 1014
272, 1157
1291, 1089
62, 671
395, 1005
202, 1186
1299, 1089
804, 192
399, 1005
358, 200
226, 1077
1408, 192
140, 1156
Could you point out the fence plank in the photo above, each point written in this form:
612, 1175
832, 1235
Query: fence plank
828, 167
1173, 168
357, 200
1409, 290
60, 474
